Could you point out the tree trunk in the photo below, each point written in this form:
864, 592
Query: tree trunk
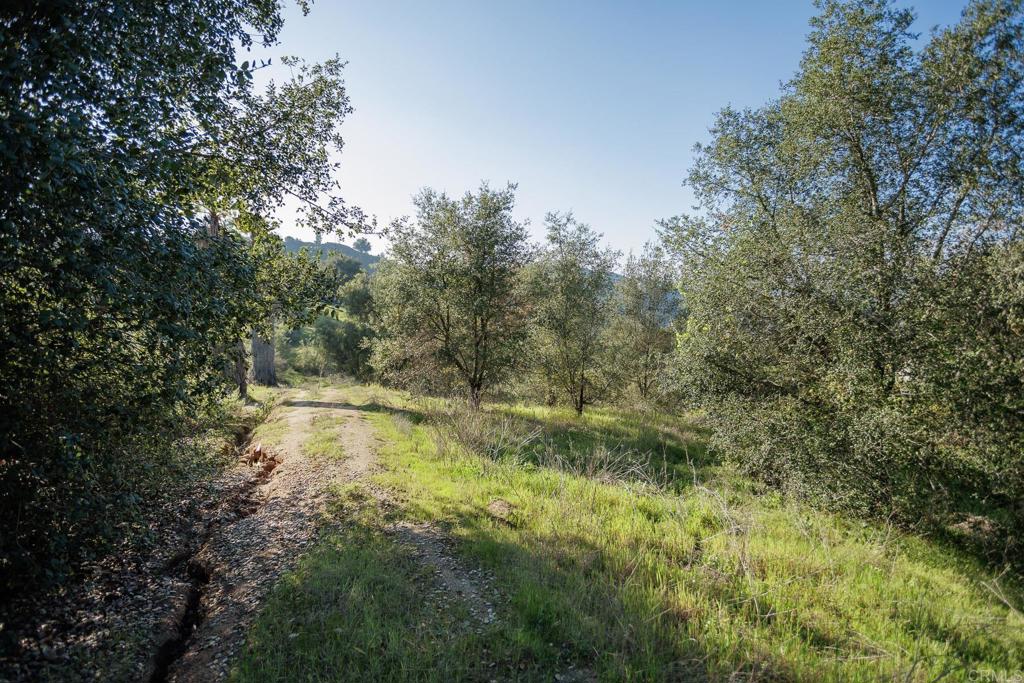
474, 397
213, 224
578, 400
241, 371
550, 393
263, 371
643, 384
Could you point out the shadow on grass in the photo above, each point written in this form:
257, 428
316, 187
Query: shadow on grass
681, 450
611, 606
680, 455
373, 407
362, 606
574, 607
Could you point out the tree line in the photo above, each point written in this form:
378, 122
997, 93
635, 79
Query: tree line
465, 303
846, 307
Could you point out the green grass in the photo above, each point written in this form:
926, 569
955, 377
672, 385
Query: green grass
323, 442
270, 432
261, 394
704, 576
355, 610
673, 447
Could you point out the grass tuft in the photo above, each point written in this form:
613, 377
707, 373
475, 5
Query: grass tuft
324, 441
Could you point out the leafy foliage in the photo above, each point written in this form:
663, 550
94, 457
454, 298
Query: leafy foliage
346, 343
357, 298
450, 300
345, 268
647, 307
853, 284
572, 285
275, 146
136, 155
289, 288
337, 341
292, 288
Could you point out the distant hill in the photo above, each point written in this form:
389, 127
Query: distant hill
292, 245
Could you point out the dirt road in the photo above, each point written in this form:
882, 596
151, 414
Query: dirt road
266, 530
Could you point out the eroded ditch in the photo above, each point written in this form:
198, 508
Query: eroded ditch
243, 502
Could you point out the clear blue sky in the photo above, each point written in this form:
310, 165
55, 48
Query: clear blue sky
592, 107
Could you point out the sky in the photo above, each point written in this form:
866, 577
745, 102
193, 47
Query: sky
592, 107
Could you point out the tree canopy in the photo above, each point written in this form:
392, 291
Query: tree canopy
450, 297
851, 331
573, 286
139, 166
647, 307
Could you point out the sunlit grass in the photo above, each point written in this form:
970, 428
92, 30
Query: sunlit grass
356, 610
706, 576
271, 432
324, 441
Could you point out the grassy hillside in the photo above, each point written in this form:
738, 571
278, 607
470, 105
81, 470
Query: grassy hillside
293, 245
619, 549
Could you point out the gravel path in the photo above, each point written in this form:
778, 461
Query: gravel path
187, 603
454, 579
241, 561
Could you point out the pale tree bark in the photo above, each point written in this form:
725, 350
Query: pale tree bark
263, 370
241, 371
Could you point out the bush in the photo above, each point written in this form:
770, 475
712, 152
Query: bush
346, 344
328, 346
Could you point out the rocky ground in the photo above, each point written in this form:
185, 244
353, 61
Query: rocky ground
241, 563
111, 623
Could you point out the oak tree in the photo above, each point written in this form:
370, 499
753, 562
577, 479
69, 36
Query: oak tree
848, 228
